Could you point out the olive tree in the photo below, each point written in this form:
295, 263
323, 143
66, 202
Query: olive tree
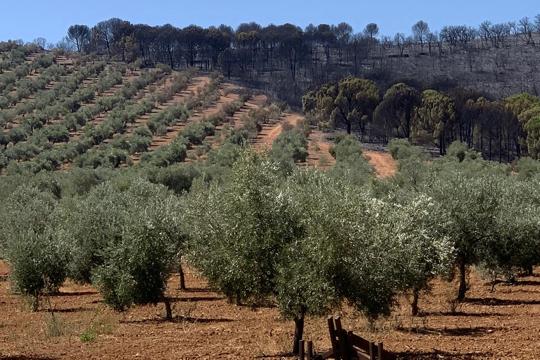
470, 198
515, 242
37, 260
308, 242
125, 237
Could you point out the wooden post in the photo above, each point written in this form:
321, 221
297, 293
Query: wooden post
333, 336
371, 351
301, 350
380, 351
342, 340
309, 350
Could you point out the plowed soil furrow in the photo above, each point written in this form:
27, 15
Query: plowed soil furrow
99, 118
488, 325
196, 85
198, 115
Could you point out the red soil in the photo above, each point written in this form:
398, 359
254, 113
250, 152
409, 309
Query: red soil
319, 151
382, 162
499, 325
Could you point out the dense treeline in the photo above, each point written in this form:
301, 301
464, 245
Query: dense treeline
264, 232
500, 129
290, 56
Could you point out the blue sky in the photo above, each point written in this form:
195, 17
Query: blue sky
29, 19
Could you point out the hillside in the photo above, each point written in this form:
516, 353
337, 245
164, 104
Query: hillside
62, 112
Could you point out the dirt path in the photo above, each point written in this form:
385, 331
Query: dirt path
382, 162
269, 132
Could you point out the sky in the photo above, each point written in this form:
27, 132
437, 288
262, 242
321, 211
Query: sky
29, 19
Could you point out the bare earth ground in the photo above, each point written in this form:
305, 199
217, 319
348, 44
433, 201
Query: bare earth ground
382, 162
500, 325
319, 150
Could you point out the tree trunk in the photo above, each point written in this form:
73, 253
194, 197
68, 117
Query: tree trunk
181, 276
168, 309
35, 303
298, 333
414, 305
462, 280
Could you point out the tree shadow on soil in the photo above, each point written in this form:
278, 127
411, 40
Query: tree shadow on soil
76, 293
500, 302
177, 319
459, 314
196, 290
195, 298
282, 355
437, 355
69, 310
460, 331
25, 357
527, 283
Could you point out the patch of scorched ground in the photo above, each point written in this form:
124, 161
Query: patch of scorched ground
504, 324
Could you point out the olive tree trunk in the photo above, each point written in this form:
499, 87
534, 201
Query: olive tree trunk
181, 276
462, 280
298, 333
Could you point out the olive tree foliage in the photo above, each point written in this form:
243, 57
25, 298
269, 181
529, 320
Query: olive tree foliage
290, 147
37, 259
514, 246
470, 197
351, 166
125, 237
310, 241
372, 249
238, 229
350, 102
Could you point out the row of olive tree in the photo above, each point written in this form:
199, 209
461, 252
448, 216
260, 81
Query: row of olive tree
310, 241
304, 240
492, 215
123, 236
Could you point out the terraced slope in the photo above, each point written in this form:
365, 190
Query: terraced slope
319, 150
198, 115
196, 85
